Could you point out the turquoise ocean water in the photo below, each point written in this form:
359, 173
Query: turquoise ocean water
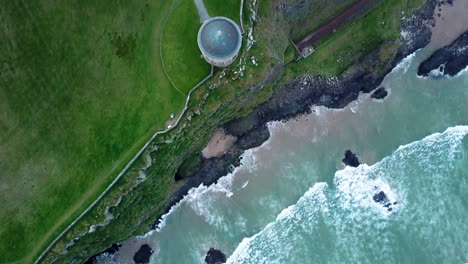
293, 201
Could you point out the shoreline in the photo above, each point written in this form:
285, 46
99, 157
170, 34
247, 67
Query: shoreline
296, 98
448, 60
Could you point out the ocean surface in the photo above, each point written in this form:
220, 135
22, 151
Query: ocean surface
293, 200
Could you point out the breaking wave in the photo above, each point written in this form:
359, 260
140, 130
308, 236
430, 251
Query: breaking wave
409, 207
201, 199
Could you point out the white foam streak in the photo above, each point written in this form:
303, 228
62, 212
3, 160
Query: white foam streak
456, 133
244, 251
351, 205
462, 72
405, 63
198, 198
356, 189
438, 73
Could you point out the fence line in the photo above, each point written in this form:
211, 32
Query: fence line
132, 161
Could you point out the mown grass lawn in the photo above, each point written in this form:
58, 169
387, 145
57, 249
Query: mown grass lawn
81, 90
180, 52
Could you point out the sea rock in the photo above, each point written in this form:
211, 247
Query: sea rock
380, 197
351, 159
380, 93
108, 252
254, 138
215, 256
298, 96
142, 256
453, 57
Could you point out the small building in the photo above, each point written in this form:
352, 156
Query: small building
219, 40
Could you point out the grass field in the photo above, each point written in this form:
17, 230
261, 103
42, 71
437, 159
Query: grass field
227, 8
81, 90
180, 51
308, 23
338, 51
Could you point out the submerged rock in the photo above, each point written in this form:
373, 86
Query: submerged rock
453, 57
142, 256
215, 256
380, 93
351, 159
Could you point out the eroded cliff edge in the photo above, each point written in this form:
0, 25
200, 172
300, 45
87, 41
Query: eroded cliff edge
298, 96
450, 60
294, 97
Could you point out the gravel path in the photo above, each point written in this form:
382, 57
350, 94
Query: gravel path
202, 12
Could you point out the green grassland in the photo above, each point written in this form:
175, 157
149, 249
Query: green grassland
81, 90
315, 14
180, 52
84, 88
340, 50
226, 8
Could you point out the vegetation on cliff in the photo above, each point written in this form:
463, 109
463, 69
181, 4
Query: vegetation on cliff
85, 87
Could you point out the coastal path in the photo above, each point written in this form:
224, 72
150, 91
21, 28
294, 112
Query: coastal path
342, 19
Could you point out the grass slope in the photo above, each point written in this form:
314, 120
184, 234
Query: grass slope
317, 14
81, 89
340, 50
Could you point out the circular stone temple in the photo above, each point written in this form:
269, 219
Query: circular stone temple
219, 40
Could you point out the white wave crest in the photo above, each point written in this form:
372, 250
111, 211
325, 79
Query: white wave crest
201, 197
348, 207
405, 63
462, 72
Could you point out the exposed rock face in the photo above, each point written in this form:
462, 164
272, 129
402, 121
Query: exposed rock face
142, 256
382, 198
380, 93
297, 97
109, 252
215, 256
351, 159
450, 59
417, 32
212, 169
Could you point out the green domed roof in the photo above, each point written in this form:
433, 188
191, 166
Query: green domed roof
219, 37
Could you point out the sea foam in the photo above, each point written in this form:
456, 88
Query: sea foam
199, 198
347, 212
